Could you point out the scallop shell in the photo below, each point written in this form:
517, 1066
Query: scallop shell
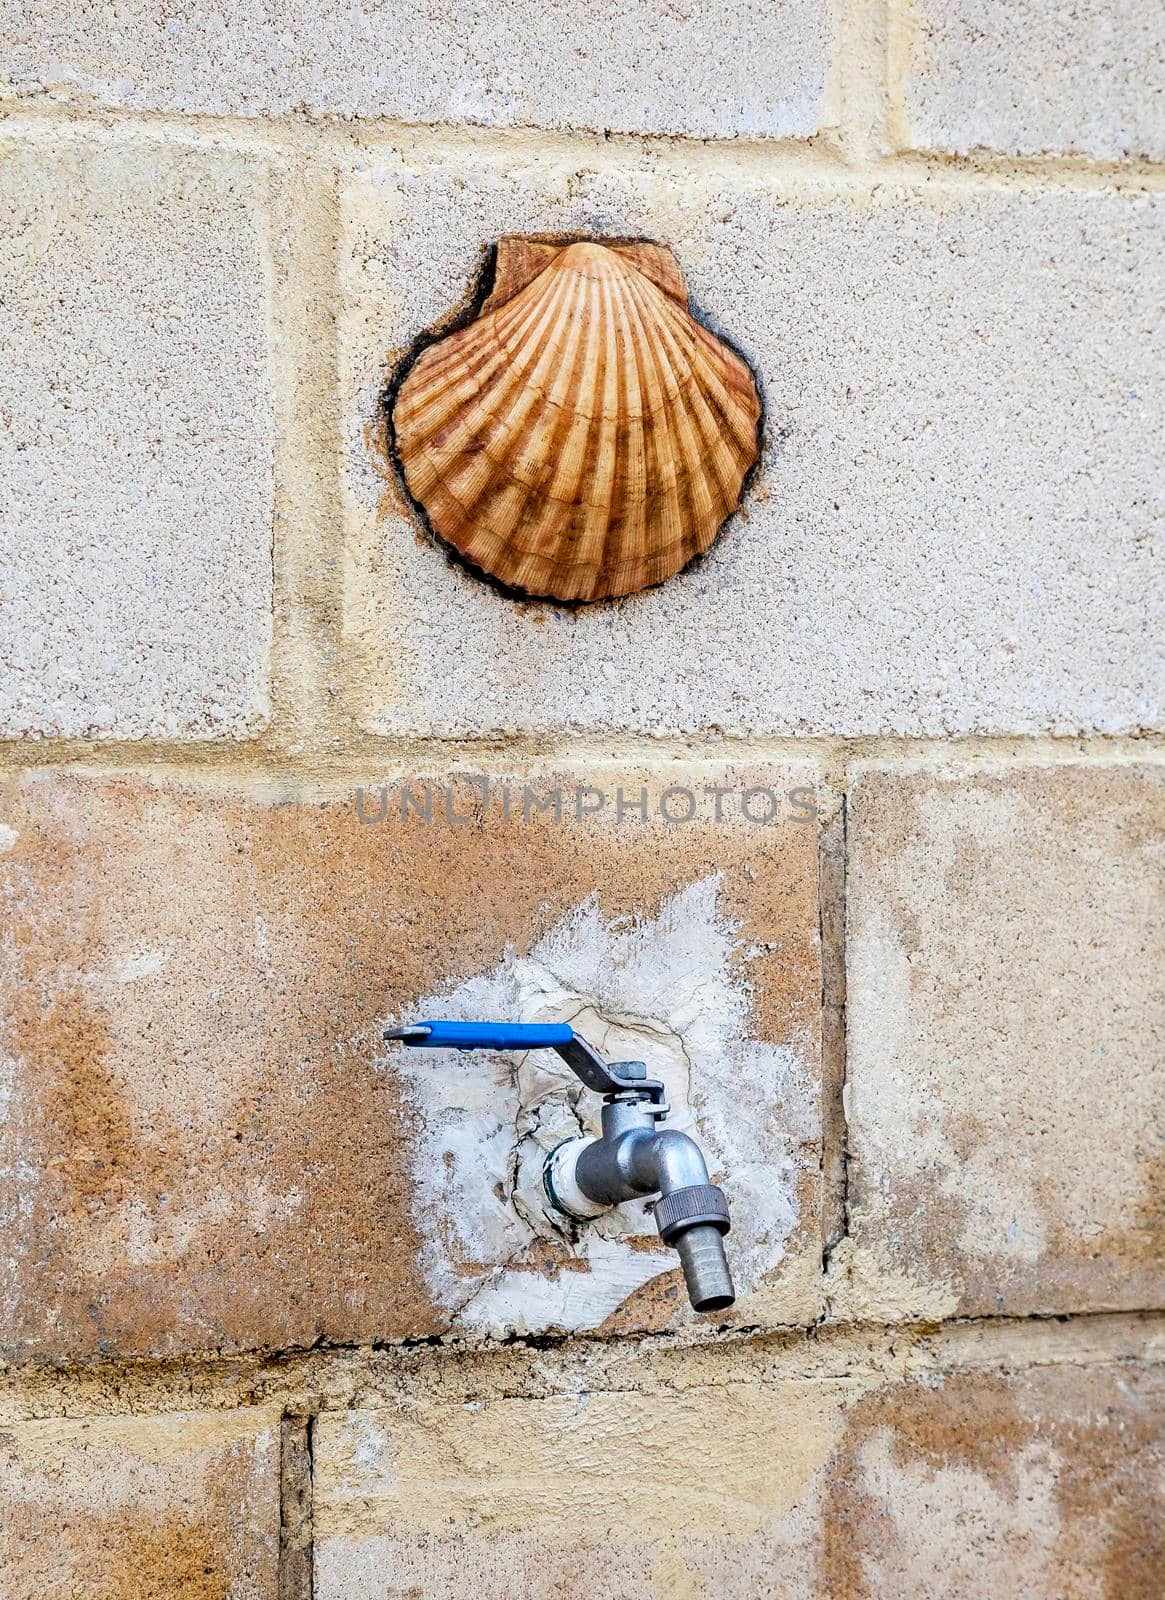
584, 436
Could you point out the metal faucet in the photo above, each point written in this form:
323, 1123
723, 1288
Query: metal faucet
583, 1177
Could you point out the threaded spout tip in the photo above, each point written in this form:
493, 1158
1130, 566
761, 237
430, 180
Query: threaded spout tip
701, 1253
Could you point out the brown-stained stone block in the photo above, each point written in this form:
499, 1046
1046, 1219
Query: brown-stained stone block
182, 1507
1006, 1037
1038, 1485
200, 1149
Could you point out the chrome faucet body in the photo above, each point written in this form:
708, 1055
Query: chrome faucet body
634, 1158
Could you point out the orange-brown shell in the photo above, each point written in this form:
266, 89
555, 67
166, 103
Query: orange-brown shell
584, 437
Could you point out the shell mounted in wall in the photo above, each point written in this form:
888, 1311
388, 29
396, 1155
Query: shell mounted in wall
582, 436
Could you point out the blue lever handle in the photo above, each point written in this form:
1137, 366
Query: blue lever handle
584, 1061
486, 1035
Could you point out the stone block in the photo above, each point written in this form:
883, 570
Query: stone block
205, 1145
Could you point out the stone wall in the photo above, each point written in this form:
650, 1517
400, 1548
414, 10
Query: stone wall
854, 830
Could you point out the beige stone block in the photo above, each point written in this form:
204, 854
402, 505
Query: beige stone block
137, 434
182, 1507
738, 67
1036, 1484
1006, 1014
204, 1145
1037, 78
950, 531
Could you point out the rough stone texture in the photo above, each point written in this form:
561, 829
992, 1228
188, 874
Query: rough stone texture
204, 1150
1037, 77
1006, 1017
733, 67
130, 1508
1036, 1484
950, 531
199, 1150
136, 429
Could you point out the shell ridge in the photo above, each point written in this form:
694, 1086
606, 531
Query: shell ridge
485, 336
726, 382
631, 541
614, 532
581, 558
431, 403
476, 451
566, 488
448, 353
667, 507
551, 375
716, 454
528, 557
691, 454
724, 395
504, 342
602, 500
503, 510
674, 485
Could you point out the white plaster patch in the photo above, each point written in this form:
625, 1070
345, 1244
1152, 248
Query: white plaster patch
139, 964
8, 837
663, 990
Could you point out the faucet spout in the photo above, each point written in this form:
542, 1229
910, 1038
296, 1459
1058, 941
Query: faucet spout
635, 1159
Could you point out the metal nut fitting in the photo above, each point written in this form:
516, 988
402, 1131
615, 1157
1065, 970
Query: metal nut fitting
688, 1208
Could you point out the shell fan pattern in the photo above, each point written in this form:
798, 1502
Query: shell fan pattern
583, 437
